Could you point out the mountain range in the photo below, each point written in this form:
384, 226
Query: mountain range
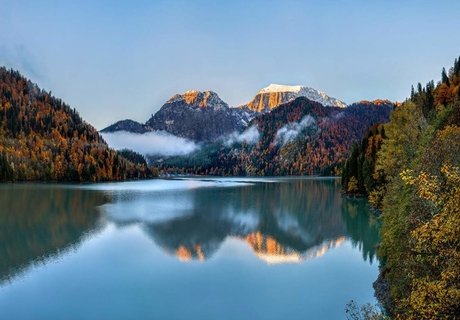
300, 137
283, 130
204, 117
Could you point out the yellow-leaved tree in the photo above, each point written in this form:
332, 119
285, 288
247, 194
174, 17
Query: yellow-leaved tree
432, 266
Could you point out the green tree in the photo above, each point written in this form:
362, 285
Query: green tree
404, 132
444, 77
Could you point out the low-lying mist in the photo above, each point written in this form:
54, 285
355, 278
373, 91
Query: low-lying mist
250, 136
291, 130
157, 143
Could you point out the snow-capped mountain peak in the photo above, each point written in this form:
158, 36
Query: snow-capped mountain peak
303, 91
276, 94
195, 98
281, 88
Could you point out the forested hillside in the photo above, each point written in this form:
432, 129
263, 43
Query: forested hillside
410, 169
42, 138
301, 137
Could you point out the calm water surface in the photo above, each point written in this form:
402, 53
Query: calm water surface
230, 248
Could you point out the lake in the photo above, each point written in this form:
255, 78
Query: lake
185, 248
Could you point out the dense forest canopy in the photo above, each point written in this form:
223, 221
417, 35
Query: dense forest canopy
43, 138
410, 168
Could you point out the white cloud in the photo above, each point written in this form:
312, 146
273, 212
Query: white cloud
291, 130
339, 115
157, 143
251, 136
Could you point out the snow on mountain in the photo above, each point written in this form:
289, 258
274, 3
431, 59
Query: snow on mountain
203, 116
281, 88
303, 91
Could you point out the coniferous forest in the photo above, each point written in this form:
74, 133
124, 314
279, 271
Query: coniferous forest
410, 169
43, 138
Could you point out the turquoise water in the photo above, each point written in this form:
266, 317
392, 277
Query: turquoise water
214, 248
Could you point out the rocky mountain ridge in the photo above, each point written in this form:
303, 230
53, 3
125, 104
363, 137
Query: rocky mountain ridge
275, 94
199, 116
204, 117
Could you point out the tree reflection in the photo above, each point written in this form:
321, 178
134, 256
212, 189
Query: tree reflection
362, 226
41, 221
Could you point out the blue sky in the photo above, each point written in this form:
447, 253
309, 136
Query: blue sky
113, 60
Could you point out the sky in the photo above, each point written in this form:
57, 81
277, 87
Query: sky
115, 60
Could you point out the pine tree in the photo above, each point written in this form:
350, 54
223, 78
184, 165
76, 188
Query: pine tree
444, 77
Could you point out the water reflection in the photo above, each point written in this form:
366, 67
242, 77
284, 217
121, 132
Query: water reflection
362, 227
272, 252
282, 221
42, 221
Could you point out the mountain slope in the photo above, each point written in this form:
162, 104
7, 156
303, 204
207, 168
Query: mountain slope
199, 116
42, 138
301, 137
275, 95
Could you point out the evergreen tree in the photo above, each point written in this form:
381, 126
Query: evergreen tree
444, 77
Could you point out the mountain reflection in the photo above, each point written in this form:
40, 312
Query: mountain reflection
38, 222
281, 221
272, 252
